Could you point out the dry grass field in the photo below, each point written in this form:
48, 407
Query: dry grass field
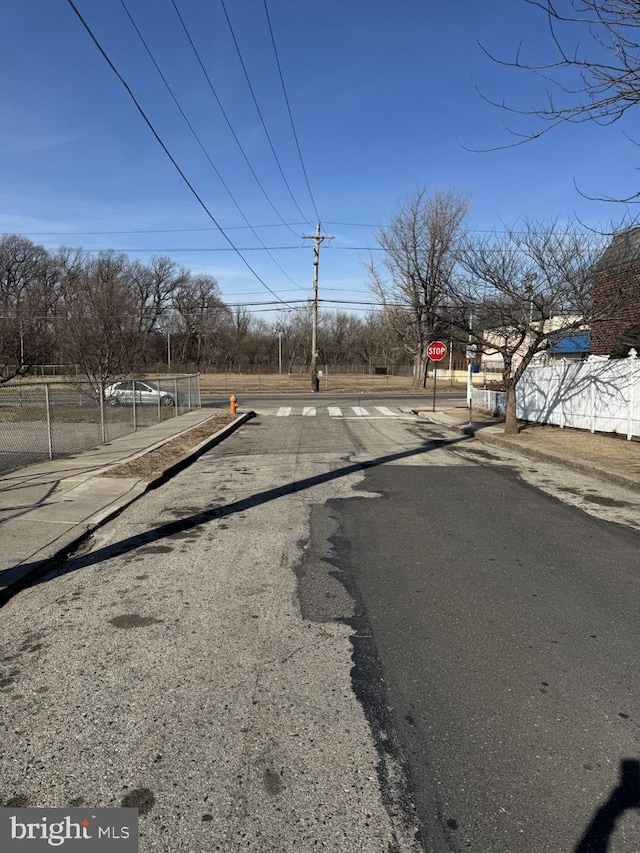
83, 414
238, 383
223, 383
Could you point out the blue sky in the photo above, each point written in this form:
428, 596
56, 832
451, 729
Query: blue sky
384, 99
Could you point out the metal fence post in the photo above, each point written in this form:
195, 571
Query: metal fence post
48, 407
189, 393
135, 420
175, 389
103, 426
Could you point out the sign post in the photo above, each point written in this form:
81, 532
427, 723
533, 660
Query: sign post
472, 350
436, 351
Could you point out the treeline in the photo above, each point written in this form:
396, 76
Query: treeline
510, 294
109, 314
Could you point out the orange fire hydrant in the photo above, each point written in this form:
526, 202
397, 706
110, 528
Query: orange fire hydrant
233, 404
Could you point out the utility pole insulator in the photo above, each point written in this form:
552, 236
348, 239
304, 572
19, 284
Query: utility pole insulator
318, 239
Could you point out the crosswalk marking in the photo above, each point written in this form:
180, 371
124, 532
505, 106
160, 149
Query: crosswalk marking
344, 412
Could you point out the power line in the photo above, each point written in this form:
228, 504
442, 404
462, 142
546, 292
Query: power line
232, 248
356, 224
332, 289
466, 230
198, 140
289, 225
214, 249
226, 117
145, 231
255, 101
164, 147
253, 304
355, 302
286, 98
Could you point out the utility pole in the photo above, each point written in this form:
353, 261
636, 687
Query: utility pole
317, 238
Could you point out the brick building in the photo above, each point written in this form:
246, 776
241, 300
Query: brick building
616, 294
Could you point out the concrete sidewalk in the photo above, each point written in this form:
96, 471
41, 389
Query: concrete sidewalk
46, 509
608, 457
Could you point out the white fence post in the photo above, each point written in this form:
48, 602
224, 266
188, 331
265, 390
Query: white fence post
634, 379
592, 396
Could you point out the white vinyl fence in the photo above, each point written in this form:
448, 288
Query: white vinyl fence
599, 394
492, 402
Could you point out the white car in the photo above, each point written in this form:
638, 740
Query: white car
146, 394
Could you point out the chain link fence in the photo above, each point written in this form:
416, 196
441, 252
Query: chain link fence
46, 420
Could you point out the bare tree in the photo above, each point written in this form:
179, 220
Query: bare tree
341, 334
295, 328
525, 290
414, 279
154, 285
377, 340
236, 342
240, 320
29, 281
97, 318
258, 345
202, 314
597, 84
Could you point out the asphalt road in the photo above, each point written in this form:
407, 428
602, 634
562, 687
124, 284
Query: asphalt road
507, 629
404, 400
353, 633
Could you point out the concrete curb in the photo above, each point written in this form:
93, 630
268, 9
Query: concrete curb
483, 433
197, 451
545, 456
49, 557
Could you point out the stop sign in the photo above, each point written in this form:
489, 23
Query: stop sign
436, 351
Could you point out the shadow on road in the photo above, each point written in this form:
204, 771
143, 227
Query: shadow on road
215, 513
626, 795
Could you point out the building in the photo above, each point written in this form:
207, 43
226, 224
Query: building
616, 296
573, 347
571, 344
